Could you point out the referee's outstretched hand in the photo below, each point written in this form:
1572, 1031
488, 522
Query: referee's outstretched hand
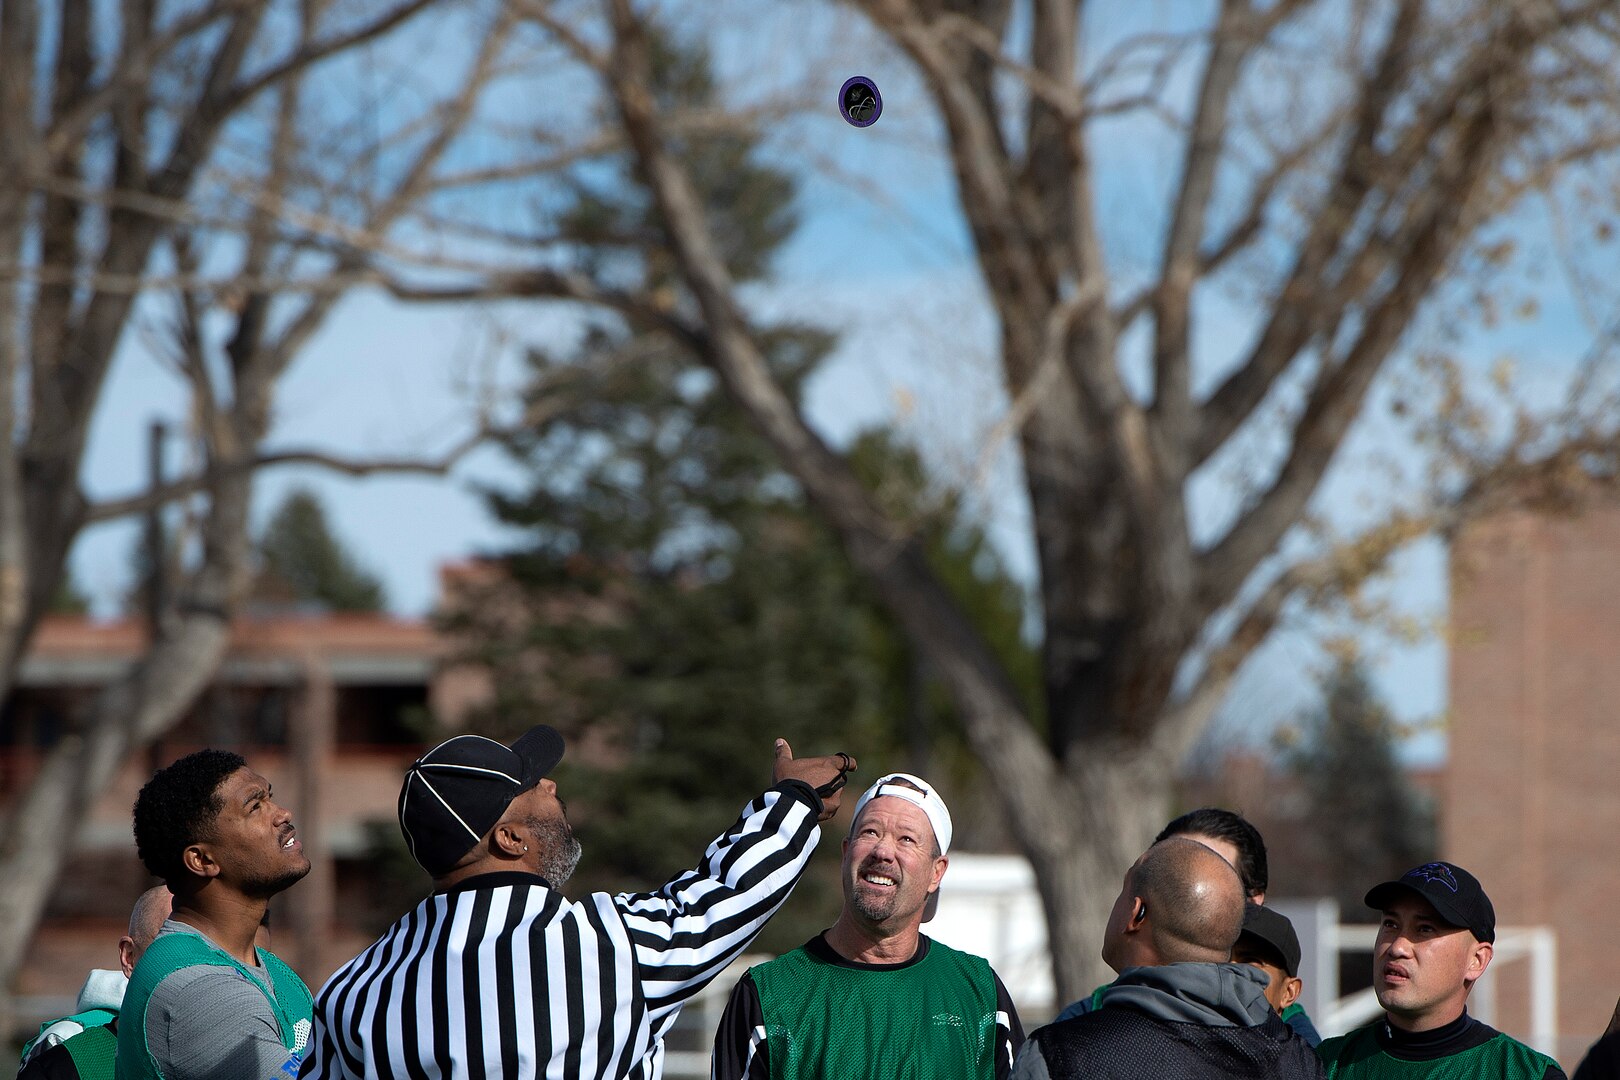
825, 774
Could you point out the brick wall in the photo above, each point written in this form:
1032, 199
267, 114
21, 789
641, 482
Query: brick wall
1531, 795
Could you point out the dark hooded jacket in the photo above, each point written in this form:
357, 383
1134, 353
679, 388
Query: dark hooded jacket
1173, 1022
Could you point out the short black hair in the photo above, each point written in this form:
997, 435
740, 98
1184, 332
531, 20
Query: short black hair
1236, 830
177, 808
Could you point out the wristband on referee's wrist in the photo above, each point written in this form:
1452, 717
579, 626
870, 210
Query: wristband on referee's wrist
793, 785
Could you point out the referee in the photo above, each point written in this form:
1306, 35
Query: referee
497, 975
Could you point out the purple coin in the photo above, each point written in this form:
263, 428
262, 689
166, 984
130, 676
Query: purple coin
860, 102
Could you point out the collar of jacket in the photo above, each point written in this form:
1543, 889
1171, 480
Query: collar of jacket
1213, 995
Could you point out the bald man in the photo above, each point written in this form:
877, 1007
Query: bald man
1179, 1006
99, 1001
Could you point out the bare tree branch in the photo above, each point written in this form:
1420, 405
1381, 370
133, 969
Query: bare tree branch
1337, 398
898, 569
1172, 303
1059, 95
186, 487
1290, 324
313, 52
131, 73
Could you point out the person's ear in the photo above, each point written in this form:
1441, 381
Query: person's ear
509, 839
198, 860
1479, 958
126, 954
1290, 991
938, 873
1139, 913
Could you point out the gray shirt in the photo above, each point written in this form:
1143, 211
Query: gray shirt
208, 1021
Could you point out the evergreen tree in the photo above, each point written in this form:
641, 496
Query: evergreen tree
69, 599
1368, 823
675, 607
303, 563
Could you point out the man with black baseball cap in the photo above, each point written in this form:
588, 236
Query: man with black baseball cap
1268, 942
1435, 940
496, 974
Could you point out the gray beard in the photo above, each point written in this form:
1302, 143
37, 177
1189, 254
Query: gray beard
876, 910
560, 850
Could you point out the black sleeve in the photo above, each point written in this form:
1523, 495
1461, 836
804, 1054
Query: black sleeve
802, 790
740, 1049
1554, 1073
52, 1063
1602, 1061
1009, 1031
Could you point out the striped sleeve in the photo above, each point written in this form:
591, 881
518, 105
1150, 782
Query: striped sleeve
685, 933
741, 1048
498, 975
1009, 1031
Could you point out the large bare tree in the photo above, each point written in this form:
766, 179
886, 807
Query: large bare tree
180, 172
1350, 164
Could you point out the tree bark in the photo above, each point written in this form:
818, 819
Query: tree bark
126, 716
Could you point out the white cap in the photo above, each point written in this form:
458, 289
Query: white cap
923, 796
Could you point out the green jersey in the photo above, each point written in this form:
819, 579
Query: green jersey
1465, 1049
813, 1015
216, 1026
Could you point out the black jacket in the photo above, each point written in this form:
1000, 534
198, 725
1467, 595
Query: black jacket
1175, 1022
1602, 1061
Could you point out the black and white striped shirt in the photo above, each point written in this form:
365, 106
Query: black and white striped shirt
500, 976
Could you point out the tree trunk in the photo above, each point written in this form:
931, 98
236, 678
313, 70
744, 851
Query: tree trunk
1122, 795
45, 824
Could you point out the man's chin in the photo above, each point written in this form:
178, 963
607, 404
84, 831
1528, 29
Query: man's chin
295, 873
564, 859
875, 911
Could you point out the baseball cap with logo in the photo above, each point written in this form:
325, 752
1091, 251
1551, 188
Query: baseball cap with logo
457, 792
1453, 892
1272, 930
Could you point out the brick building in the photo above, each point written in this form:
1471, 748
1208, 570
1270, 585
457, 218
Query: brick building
1530, 800
330, 707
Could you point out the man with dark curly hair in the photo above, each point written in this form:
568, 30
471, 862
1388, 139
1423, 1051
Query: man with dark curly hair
203, 1001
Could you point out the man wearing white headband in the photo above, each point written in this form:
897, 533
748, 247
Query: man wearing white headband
871, 996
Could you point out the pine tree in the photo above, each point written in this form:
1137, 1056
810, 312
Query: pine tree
1368, 823
69, 598
676, 607
303, 563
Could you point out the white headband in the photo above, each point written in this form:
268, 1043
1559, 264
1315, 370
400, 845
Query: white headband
927, 800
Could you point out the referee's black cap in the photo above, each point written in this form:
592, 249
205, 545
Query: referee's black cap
457, 792
1454, 893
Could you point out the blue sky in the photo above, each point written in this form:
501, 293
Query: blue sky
883, 254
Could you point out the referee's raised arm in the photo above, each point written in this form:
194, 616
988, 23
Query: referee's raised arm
497, 974
688, 931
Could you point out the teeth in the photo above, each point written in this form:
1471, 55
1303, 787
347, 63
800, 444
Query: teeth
879, 879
